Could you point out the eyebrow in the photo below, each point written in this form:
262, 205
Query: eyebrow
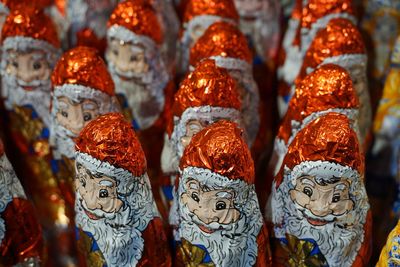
193, 185
90, 106
224, 195
62, 104
341, 187
307, 181
37, 56
106, 183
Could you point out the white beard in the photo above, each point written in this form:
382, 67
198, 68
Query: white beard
141, 94
39, 98
119, 235
61, 142
339, 246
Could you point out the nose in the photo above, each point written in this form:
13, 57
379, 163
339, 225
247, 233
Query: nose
76, 121
122, 64
25, 74
320, 207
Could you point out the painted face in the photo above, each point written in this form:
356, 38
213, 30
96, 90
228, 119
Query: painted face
238, 76
249, 8
192, 127
359, 78
128, 59
98, 192
322, 201
74, 116
213, 208
28, 67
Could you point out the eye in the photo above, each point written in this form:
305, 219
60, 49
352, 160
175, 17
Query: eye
14, 64
308, 191
336, 198
115, 52
195, 197
87, 117
83, 182
103, 193
37, 65
220, 205
134, 58
64, 114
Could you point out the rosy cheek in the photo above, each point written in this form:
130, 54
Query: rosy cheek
342, 207
299, 197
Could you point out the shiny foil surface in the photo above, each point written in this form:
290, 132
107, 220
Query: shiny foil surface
83, 66
316, 9
328, 87
139, 17
110, 138
220, 147
328, 138
30, 22
206, 85
220, 8
221, 39
340, 37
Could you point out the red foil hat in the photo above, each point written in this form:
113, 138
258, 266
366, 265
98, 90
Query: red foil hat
206, 85
327, 138
83, 66
221, 149
221, 39
221, 8
316, 9
12, 4
340, 37
110, 138
328, 87
139, 17
30, 22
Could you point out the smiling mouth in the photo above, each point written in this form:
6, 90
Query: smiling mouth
28, 88
124, 78
316, 222
205, 229
91, 215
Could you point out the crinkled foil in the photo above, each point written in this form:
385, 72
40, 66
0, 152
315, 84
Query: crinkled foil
221, 8
138, 17
12, 4
30, 22
78, 65
221, 39
110, 138
328, 87
340, 37
207, 85
328, 138
316, 9
222, 149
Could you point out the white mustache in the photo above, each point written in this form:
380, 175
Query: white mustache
97, 212
125, 74
213, 225
309, 214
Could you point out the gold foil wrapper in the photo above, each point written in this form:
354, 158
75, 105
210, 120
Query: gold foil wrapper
221, 39
340, 37
29, 21
328, 87
207, 85
139, 17
220, 8
110, 138
328, 138
83, 66
221, 148
316, 9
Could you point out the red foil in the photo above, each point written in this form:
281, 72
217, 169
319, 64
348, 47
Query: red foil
220, 8
139, 17
222, 149
316, 9
328, 87
221, 39
83, 66
340, 37
110, 138
30, 22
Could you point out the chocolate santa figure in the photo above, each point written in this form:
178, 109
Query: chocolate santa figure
260, 22
327, 89
220, 220
390, 255
21, 241
207, 95
88, 22
320, 207
224, 43
82, 90
341, 43
198, 16
117, 221
315, 15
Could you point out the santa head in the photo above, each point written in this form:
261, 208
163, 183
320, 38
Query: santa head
134, 37
327, 89
319, 193
206, 95
217, 203
30, 49
198, 16
114, 202
82, 90
227, 45
341, 43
